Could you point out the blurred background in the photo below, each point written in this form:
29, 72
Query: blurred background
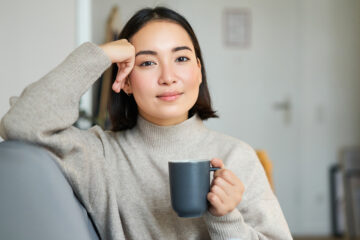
284, 76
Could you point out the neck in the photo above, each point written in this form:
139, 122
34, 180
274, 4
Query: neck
164, 121
170, 138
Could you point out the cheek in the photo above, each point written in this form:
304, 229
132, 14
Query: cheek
141, 82
191, 78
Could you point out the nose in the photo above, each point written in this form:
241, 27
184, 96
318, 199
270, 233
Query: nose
167, 75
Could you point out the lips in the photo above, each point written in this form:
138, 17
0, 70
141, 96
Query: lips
169, 96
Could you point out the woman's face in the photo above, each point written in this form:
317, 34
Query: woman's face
166, 76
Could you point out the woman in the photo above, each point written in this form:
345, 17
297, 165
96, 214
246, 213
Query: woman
159, 100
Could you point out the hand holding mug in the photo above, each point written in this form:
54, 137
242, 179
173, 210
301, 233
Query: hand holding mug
122, 53
226, 190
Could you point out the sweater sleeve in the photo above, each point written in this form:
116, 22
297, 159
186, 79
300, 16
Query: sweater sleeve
258, 216
50, 106
44, 114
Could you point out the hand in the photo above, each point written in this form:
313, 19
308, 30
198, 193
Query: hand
122, 53
226, 190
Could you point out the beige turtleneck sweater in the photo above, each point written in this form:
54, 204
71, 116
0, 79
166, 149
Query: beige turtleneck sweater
122, 177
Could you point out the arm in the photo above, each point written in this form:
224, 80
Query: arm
257, 216
44, 114
47, 109
49, 106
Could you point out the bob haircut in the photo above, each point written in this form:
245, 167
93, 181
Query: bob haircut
122, 108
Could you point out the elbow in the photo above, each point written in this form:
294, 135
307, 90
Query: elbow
12, 128
3, 128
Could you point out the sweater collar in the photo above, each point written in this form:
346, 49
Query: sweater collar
168, 137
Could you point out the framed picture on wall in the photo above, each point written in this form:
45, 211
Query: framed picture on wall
237, 27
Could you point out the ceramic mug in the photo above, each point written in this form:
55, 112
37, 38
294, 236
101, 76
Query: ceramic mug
189, 186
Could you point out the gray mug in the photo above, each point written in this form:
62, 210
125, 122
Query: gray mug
189, 186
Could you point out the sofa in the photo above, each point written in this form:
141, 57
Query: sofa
36, 200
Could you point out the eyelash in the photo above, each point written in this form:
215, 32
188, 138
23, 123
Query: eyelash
146, 64
187, 59
150, 63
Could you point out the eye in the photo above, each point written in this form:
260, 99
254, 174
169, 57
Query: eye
147, 63
182, 59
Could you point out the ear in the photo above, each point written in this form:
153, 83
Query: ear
200, 67
127, 86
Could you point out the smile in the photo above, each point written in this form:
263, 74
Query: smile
171, 96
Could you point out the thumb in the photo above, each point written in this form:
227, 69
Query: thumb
217, 162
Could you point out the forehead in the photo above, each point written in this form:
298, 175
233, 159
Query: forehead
161, 34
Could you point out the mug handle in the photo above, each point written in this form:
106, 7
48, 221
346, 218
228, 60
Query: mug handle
214, 168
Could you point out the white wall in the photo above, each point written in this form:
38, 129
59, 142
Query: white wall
330, 98
35, 36
308, 51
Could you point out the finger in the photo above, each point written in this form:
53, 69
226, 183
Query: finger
232, 186
122, 65
120, 74
115, 87
220, 193
216, 162
126, 81
217, 173
214, 200
127, 65
131, 61
229, 176
224, 186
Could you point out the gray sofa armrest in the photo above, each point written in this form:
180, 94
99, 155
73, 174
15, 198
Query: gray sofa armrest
36, 201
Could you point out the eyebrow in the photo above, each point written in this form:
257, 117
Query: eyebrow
150, 52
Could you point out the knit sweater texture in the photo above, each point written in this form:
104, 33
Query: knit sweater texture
122, 177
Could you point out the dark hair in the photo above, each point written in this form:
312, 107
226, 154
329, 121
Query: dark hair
122, 108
